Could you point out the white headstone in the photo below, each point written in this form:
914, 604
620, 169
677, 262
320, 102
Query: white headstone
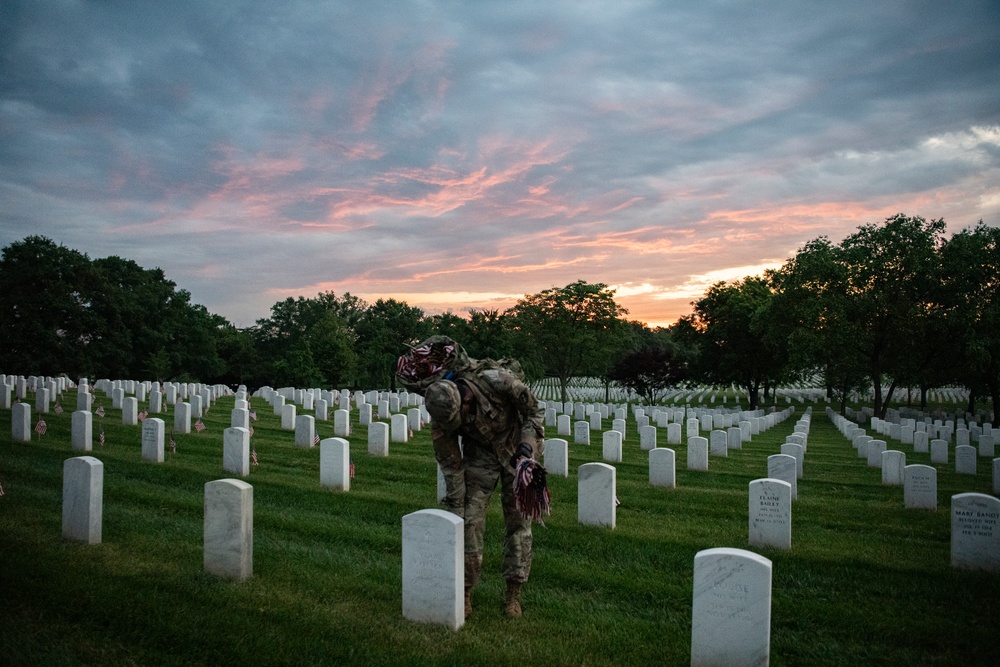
719, 443
288, 414
152, 439
893, 463
612, 446
378, 438
875, 449
20, 422
82, 431
182, 417
965, 459
399, 430
793, 449
663, 467
335, 464
939, 450
987, 448
434, 568
83, 499
647, 438
228, 530
240, 418
975, 531
305, 430
697, 456
563, 425
673, 433
731, 610
920, 487
770, 513
786, 468
596, 494
236, 450
581, 433
735, 437
556, 457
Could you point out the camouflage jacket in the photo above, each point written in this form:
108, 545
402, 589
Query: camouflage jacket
506, 413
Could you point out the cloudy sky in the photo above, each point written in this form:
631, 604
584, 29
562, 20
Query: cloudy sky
458, 154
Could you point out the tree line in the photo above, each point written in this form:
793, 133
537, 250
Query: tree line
896, 304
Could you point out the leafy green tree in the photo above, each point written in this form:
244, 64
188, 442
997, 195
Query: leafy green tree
449, 324
387, 329
970, 305
47, 323
490, 334
809, 311
564, 330
650, 370
732, 321
310, 340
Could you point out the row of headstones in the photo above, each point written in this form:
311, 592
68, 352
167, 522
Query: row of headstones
873, 450
908, 430
370, 405
919, 481
737, 432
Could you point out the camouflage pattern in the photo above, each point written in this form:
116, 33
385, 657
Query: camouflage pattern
505, 414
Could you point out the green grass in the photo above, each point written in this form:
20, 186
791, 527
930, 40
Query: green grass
867, 582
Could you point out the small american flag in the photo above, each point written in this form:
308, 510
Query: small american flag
253, 458
101, 437
352, 469
142, 415
199, 426
40, 427
316, 439
100, 411
251, 431
253, 415
173, 443
1, 487
58, 409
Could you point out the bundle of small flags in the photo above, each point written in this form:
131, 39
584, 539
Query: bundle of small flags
40, 427
199, 426
531, 494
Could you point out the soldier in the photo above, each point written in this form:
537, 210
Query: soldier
501, 426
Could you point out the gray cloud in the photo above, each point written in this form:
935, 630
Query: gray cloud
257, 148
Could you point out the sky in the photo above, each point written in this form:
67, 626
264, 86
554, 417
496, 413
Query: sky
462, 154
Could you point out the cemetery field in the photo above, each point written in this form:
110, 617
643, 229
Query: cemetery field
866, 581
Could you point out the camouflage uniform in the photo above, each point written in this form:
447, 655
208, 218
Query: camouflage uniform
504, 415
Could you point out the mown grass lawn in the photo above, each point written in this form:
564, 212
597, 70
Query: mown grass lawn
867, 582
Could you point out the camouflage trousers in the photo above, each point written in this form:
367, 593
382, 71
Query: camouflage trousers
476, 479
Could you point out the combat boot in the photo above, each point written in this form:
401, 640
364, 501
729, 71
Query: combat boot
512, 601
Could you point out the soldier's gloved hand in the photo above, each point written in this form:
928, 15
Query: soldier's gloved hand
523, 450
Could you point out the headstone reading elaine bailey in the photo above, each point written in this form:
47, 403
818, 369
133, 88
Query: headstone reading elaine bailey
770, 513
